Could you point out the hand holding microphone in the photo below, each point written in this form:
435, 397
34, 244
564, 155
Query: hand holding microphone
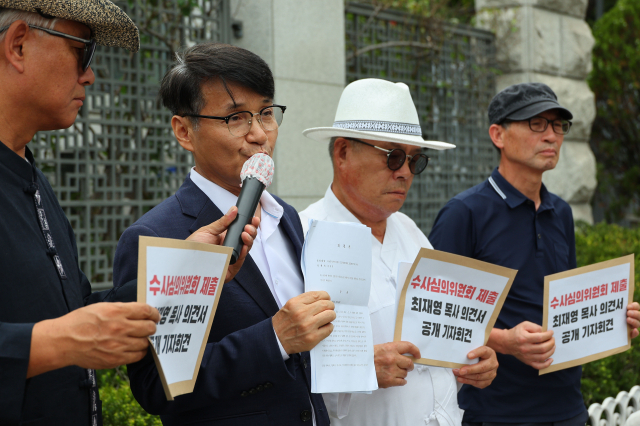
256, 175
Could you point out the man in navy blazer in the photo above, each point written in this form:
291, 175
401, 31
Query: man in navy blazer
256, 368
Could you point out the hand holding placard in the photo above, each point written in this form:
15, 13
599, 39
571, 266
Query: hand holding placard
527, 342
391, 364
633, 318
101, 335
479, 375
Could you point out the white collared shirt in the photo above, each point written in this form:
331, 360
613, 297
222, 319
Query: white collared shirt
272, 251
430, 395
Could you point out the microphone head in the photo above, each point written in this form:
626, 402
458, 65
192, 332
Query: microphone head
259, 166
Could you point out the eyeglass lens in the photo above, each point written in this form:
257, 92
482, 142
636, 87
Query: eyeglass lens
270, 118
417, 164
540, 124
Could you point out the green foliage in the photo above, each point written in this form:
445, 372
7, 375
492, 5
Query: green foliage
608, 376
616, 131
119, 408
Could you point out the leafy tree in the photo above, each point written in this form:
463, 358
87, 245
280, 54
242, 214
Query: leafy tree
119, 408
616, 131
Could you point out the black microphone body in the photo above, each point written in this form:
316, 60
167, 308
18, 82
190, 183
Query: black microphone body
247, 204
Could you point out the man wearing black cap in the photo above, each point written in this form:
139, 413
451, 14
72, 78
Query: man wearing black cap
52, 331
512, 220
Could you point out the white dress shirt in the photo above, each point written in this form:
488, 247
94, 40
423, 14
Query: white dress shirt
273, 252
430, 395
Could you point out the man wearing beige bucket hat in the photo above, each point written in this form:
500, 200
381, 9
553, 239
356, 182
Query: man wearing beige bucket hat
376, 148
52, 331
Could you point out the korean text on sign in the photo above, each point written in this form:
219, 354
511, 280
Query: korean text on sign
587, 308
447, 306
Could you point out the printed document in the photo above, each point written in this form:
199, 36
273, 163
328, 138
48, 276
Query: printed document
336, 258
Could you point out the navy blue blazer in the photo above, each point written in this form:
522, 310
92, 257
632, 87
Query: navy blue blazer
243, 379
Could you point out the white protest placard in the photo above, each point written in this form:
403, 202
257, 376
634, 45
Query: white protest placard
183, 280
448, 306
336, 258
587, 310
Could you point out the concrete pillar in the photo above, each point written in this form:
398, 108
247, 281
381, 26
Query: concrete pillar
303, 41
548, 41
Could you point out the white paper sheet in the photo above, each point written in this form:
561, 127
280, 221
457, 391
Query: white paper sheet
588, 313
182, 284
336, 258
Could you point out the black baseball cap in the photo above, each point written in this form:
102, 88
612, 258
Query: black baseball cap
523, 101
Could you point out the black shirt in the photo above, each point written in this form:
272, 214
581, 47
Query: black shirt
31, 291
496, 223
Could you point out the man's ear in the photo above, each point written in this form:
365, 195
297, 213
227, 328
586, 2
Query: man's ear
13, 43
496, 132
183, 130
340, 151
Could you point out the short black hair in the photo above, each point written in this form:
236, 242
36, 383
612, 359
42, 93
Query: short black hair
181, 87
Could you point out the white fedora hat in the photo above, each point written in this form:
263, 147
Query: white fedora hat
377, 110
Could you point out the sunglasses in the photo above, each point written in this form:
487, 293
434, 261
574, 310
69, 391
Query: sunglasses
396, 158
89, 45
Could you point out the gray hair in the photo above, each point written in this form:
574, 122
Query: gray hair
9, 16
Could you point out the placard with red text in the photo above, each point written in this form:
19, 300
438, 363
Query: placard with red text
183, 280
587, 310
448, 306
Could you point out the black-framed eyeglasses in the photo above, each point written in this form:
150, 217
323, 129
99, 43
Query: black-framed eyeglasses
540, 124
396, 158
239, 123
89, 45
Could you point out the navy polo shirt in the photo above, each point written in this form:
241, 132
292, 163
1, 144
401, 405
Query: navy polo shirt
496, 223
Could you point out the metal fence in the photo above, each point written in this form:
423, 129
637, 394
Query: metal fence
120, 157
450, 71
616, 411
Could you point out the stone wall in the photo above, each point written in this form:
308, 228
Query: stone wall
548, 41
303, 43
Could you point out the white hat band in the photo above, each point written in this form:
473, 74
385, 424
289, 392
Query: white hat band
380, 126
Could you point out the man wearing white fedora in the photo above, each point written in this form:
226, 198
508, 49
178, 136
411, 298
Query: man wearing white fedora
376, 148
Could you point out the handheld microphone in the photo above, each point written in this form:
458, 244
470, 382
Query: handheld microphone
256, 175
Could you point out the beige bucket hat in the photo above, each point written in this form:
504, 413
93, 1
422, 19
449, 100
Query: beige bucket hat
109, 24
377, 110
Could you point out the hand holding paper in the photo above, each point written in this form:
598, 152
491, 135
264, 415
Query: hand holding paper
304, 321
479, 375
215, 232
527, 342
391, 365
